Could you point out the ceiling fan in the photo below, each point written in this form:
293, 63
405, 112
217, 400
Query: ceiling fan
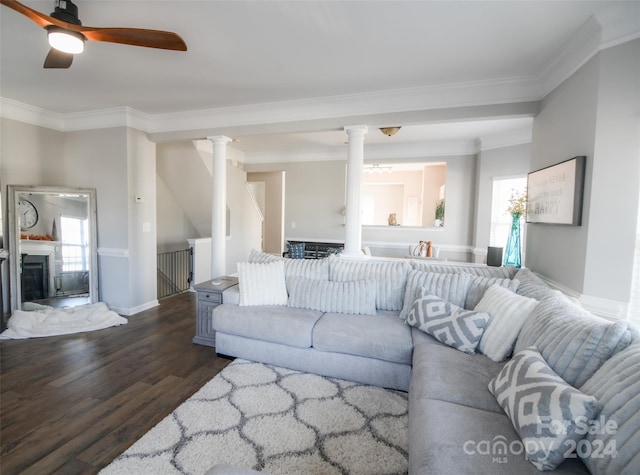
67, 35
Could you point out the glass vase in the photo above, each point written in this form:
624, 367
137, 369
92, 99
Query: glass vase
512, 255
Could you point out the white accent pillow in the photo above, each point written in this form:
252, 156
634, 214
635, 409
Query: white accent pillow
262, 283
508, 312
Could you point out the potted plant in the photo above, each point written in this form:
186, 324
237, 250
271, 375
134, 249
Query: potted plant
439, 214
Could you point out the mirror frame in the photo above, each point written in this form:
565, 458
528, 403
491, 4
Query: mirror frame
13, 229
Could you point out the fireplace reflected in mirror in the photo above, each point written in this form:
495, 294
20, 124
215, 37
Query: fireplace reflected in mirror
53, 247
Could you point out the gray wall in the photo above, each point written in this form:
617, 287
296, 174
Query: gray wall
117, 162
594, 113
495, 163
184, 197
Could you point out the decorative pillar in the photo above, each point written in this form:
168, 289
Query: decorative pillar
355, 166
219, 206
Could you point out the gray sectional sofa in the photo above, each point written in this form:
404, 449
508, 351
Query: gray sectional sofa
463, 406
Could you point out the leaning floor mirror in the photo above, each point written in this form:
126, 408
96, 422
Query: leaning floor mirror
53, 246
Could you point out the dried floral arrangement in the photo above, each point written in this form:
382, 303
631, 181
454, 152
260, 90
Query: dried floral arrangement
518, 202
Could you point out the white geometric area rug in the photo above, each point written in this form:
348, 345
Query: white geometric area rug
278, 421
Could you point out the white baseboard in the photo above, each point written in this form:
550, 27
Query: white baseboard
133, 310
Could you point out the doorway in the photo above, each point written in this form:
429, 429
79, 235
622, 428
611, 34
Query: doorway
268, 194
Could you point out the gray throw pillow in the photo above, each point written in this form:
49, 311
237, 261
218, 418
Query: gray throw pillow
505, 272
262, 257
390, 276
479, 286
532, 286
309, 268
574, 342
549, 415
450, 287
454, 326
613, 446
356, 297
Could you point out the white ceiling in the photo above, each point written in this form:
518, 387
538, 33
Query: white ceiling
267, 56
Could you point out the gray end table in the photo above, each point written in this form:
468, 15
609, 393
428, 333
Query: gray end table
209, 297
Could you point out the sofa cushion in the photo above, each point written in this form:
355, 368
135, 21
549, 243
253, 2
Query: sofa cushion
449, 438
548, 414
355, 297
508, 313
573, 342
532, 286
452, 325
616, 385
478, 270
384, 337
262, 283
451, 287
309, 268
261, 257
453, 376
391, 278
277, 324
479, 286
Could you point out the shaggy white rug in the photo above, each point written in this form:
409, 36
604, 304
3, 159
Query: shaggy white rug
48, 321
278, 421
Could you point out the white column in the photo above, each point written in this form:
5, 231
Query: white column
219, 206
355, 165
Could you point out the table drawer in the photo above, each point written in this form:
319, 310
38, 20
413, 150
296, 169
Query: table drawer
210, 297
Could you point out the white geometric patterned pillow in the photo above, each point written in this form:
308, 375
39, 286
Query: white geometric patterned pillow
448, 323
550, 415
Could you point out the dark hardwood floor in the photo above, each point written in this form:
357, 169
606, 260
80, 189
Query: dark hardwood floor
71, 404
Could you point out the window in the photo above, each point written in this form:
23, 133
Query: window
500, 217
75, 237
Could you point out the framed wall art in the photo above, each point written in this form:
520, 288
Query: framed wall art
555, 193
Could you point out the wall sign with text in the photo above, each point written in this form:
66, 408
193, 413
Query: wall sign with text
554, 194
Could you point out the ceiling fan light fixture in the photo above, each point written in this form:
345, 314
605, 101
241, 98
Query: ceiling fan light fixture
65, 40
389, 130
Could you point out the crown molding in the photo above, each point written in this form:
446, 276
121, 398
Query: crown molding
21, 112
502, 91
609, 27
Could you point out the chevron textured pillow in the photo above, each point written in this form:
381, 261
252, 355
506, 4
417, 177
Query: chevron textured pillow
447, 323
508, 312
262, 283
550, 415
356, 297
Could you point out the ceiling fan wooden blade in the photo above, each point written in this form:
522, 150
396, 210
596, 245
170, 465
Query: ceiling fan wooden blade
135, 36
58, 60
